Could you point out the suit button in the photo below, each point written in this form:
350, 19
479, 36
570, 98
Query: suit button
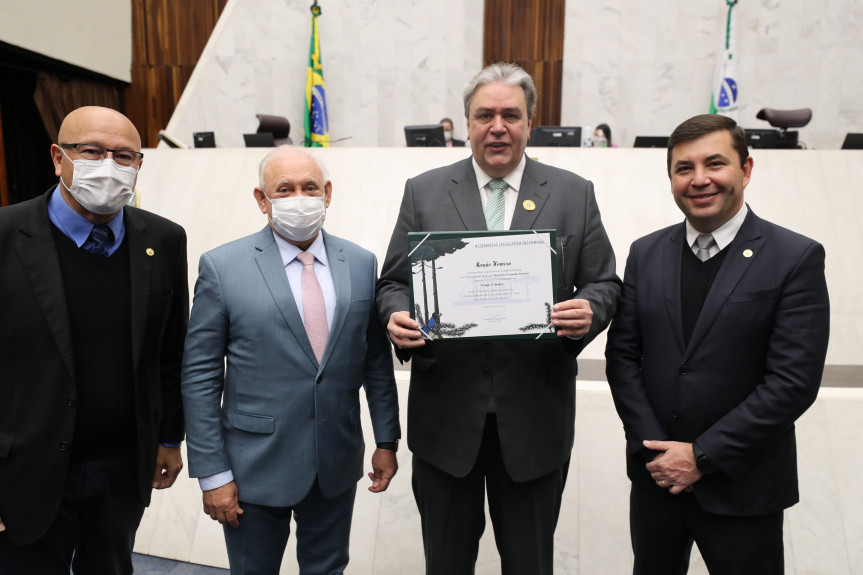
675, 415
322, 421
684, 369
70, 402
486, 371
64, 446
319, 380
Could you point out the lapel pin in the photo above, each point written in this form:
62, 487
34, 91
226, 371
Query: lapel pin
150, 251
747, 253
528, 205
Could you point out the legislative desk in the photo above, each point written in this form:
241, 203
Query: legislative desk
816, 193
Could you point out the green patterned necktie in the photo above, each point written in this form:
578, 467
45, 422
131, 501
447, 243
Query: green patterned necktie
495, 207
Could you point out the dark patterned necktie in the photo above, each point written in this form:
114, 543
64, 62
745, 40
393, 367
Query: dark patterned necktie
100, 238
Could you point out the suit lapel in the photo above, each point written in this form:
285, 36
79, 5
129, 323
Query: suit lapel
671, 261
35, 246
269, 261
735, 265
531, 189
465, 197
341, 272
140, 275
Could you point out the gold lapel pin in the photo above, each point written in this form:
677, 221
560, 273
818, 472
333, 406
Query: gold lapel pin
747, 253
528, 205
150, 251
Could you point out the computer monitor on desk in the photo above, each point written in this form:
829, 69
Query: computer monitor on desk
555, 136
650, 142
424, 136
262, 140
204, 139
770, 139
853, 142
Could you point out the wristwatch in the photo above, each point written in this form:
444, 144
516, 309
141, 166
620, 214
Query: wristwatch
702, 461
390, 445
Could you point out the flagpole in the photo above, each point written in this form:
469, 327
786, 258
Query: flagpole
724, 96
316, 119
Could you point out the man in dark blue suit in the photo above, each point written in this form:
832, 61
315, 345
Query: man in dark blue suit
717, 348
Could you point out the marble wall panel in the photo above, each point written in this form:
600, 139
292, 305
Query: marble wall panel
644, 67
641, 67
814, 192
386, 64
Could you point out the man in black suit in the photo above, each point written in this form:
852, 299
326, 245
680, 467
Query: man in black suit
94, 300
498, 415
717, 348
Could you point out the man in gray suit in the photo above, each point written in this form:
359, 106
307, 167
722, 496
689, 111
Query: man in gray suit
274, 431
497, 414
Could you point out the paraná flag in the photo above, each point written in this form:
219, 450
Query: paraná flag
725, 90
317, 124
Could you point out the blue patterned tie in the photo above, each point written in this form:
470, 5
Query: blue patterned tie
100, 238
495, 206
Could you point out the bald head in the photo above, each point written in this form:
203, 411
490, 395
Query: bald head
287, 153
97, 125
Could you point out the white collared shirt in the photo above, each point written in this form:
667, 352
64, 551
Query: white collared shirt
510, 195
723, 235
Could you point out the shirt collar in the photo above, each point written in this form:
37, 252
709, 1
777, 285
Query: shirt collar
724, 234
289, 251
75, 226
513, 179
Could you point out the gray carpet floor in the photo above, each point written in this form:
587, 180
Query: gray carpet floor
146, 565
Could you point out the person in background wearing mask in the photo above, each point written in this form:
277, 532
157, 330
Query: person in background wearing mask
94, 301
602, 137
277, 432
447, 132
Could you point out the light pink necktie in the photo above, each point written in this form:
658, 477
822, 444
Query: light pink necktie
314, 309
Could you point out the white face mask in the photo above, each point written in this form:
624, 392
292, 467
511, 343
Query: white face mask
298, 218
447, 134
101, 187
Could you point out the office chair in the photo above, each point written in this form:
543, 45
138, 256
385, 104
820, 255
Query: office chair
278, 126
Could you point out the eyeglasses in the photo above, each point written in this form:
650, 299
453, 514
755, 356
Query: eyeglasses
98, 153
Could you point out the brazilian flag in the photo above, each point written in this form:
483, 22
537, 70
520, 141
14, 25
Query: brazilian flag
317, 125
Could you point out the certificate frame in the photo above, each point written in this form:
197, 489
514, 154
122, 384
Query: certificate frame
483, 284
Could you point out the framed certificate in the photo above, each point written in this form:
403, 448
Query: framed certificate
483, 284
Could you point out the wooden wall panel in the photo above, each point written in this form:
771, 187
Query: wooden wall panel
167, 40
529, 33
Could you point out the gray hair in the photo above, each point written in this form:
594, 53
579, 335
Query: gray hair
285, 151
503, 73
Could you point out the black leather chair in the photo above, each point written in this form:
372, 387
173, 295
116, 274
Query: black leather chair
784, 119
278, 126
781, 137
